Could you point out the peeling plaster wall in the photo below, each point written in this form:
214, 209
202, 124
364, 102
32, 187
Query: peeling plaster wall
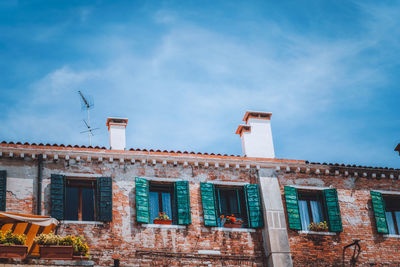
357, 219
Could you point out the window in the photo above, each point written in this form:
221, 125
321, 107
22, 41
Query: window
171, 198
3, 190
243, 202
81, 199
231, 201
80, 204
308, 206
392, 212
160, 200
387, 212
311, 208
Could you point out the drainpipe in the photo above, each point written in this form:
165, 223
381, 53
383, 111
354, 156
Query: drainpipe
39, 185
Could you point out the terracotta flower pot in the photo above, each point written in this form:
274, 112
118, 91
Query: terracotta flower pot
13, 251
162, 221
232, 225
56, 252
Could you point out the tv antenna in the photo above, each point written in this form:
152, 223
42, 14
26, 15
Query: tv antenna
87, 103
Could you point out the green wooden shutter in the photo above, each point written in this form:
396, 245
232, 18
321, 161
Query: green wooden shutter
208, 201
292, 208
57, 194
142, 200
104, 199
378, 205
3, 190
333, 210
254, 211
182, 202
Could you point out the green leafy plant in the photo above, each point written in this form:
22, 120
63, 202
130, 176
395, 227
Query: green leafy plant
318, 227
162, 216
77, 242
9, 238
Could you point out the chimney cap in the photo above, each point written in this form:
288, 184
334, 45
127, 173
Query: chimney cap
257, 115
242, 128
116, 120
397, 148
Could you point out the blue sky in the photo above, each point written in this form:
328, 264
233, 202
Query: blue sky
184, 73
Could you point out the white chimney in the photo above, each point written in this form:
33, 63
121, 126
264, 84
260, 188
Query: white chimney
256, 135
116, 127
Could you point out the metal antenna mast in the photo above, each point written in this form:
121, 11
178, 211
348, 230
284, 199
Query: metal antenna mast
87, 103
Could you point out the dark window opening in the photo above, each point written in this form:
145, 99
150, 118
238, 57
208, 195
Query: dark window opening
311, 208
231, 201
80, 196
392, 212
161, 200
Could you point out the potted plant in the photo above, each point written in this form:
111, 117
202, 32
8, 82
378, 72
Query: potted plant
53, 246
162, 219
81, 249
318, 227
231, 221
12, 245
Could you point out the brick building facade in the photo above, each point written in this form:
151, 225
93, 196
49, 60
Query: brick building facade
275, 198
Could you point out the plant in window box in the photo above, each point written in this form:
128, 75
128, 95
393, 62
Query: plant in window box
231, 221
162, 219
12, 245
318, 227
81, 248
52, 246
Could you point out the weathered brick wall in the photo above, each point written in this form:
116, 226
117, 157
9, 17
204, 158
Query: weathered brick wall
357, 218
146, 246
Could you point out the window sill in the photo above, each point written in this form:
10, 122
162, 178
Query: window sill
83, 222
163, 226
316, 233
391, 236
225, 229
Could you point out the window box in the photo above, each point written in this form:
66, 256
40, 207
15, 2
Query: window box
80, 258
13, 251
232, 225
162, 222
56, 252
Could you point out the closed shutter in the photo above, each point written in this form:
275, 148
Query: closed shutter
333, 210
3, 190
208, 201
378, 205
254, 212
182, 202
104, 199
142, 200
57, 195
292, 208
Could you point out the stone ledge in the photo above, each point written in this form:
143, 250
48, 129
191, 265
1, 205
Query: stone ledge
316, 233
163, 226
391, 236
82, 222
41, 262
225, 229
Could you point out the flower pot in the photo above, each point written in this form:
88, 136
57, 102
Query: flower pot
13, 251
162, 221
232, 225
56, 252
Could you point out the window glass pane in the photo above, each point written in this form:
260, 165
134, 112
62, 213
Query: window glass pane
166, 202
153, 205
304, 217
71, 203
233, 203
316, 210
229, 202
87, 204
397, 215
223, 201
390, 223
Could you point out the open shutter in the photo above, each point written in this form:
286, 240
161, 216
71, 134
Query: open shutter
208, 201
378, 205
254, 212
3, 190
182, 201
333, 210
104, 199
57, 194
292, 208
142, 200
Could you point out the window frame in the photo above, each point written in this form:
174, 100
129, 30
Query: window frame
75, 183
168, 188
392, 210
308, 195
